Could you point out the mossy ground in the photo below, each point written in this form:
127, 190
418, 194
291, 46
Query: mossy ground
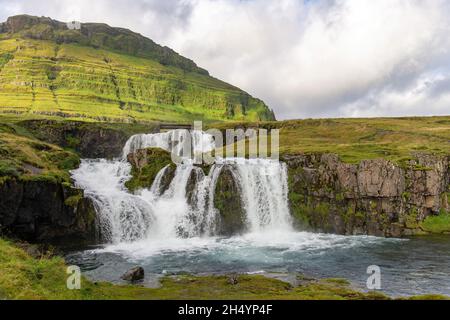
25, 155
27, 158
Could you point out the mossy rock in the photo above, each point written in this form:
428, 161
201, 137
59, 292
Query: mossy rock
146, 164
227, 200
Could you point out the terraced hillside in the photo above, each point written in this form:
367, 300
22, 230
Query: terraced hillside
112, 74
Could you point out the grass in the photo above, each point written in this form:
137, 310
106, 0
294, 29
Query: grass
79, 82
354, 140
437, 224
29, 159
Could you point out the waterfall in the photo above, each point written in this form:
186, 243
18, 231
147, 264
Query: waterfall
264, 188
126, 217
121, 215
174, 141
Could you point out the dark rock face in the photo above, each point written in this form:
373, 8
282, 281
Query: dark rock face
375, 197
134, 274
228, 202
45, 212
90, 140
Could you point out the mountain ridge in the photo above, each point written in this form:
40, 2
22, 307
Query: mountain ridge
97, 35
109, 74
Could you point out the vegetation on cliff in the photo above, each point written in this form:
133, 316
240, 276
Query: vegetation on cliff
47, 149
437, 224
29, 159
109, 74
375, 197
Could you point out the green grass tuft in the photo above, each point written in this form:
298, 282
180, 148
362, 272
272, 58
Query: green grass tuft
437, 224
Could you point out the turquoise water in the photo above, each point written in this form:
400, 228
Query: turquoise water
408, 266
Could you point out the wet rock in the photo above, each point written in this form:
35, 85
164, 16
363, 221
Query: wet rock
228, 202
197, 175
133, 275
146, 164
38, 211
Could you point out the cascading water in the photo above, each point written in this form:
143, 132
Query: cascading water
264, 188
175, 231
124, 217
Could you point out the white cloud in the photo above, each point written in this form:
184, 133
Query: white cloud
313, 58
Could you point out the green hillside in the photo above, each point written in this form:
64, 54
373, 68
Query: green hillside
110, 74
354, 140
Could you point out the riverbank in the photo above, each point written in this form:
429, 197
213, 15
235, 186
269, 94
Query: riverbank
27, 277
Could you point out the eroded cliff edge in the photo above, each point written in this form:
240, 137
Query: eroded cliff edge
375, 197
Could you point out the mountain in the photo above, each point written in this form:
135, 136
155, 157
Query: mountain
105, 73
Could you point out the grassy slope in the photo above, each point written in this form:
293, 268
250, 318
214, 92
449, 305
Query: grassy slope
361, 139
38, 76
24, 157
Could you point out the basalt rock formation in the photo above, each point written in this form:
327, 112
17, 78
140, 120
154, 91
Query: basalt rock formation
376, 197
146, 164
38, 211
228, 202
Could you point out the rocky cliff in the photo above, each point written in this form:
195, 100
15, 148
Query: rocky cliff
376, 197
90, 140
39, 211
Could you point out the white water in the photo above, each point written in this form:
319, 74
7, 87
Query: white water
176, 141
148, 215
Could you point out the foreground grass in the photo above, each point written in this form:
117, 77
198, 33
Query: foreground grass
24, 277
354, 140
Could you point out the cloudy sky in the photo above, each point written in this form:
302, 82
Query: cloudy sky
305, 58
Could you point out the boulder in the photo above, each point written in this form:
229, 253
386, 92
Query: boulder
135, 274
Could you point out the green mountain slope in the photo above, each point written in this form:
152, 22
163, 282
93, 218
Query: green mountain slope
105, 73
